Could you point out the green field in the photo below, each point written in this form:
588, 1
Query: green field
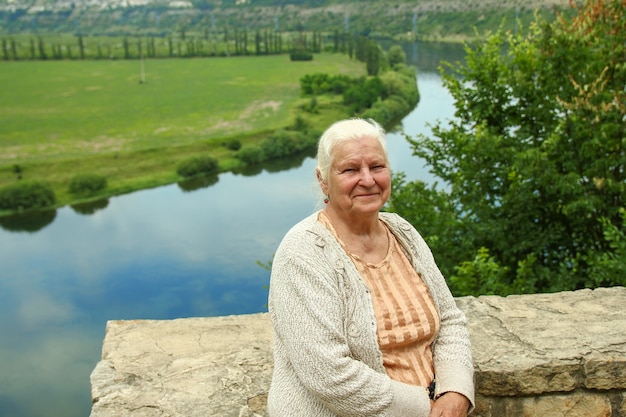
60, 118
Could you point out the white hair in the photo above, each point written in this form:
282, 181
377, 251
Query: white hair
342, 131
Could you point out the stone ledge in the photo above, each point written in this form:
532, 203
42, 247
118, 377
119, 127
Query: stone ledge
534, 355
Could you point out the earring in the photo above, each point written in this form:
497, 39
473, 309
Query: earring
326, 200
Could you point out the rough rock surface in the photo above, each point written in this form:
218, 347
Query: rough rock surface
545, 355
184, 367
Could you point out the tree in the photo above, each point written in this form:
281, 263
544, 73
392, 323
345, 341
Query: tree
42, 49
126, 48
257, 42
535, 159
396, 55
373, 57
81, 47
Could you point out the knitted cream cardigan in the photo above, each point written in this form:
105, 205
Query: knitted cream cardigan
326, 357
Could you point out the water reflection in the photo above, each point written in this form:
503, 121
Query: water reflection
28, 222
155, 254
196, 183
90, 207
188, 249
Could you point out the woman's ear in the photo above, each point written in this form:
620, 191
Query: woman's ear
321, 181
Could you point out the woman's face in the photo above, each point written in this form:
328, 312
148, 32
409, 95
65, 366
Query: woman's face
359, 181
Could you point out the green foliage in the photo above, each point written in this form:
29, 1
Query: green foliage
399, 96
251, 154
322, 83
387, 111
385, 98
285, 143
197, 165
26, 195
300, 124
311, 106
87, 184
373, 58
191, 32
363, 93
396, 55
433, 213
482, 275
300, 56
281, 144
401, 83
233, 144
535, 155
17, 170
609, 267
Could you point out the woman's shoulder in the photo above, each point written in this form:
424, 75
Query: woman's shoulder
308, 231
396, 222
304, 226
408, 234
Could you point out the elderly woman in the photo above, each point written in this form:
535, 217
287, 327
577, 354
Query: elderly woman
364, 323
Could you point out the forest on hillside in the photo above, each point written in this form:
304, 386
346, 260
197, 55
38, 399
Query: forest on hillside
432, 20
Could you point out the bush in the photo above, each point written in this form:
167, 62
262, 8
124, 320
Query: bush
320, 83
402, 84
233, 144
363, 94
26, 195
285, 143
310, 83
396, 55
197, 165
281, 144
301, 56
387, 111
300, 124
87, 184
251, 154
312, 106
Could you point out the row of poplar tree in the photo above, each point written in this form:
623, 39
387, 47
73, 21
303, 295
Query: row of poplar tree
231, 42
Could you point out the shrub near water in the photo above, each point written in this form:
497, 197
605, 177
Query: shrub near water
87, 184
197, 165
251, 154
233, 144
285, 143
26, 195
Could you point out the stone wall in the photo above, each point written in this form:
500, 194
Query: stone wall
545, 355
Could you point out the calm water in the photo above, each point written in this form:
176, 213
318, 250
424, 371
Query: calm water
155, 254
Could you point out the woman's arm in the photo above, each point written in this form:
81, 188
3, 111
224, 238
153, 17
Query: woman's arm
452, 353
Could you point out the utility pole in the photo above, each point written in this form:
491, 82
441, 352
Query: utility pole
142, 75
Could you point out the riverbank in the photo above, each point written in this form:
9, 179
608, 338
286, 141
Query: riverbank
139, 157
96, 118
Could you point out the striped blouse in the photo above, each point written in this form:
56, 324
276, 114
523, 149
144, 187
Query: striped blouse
407, 320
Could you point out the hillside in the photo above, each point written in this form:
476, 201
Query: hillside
395, 18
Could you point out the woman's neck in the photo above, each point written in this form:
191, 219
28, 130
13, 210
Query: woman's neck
365, 237
355, 225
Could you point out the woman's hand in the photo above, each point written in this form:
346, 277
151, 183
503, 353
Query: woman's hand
451, 404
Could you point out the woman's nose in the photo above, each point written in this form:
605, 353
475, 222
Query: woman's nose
366, 177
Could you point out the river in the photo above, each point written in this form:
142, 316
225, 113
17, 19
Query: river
161, 253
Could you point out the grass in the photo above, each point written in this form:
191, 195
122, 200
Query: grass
62, 118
